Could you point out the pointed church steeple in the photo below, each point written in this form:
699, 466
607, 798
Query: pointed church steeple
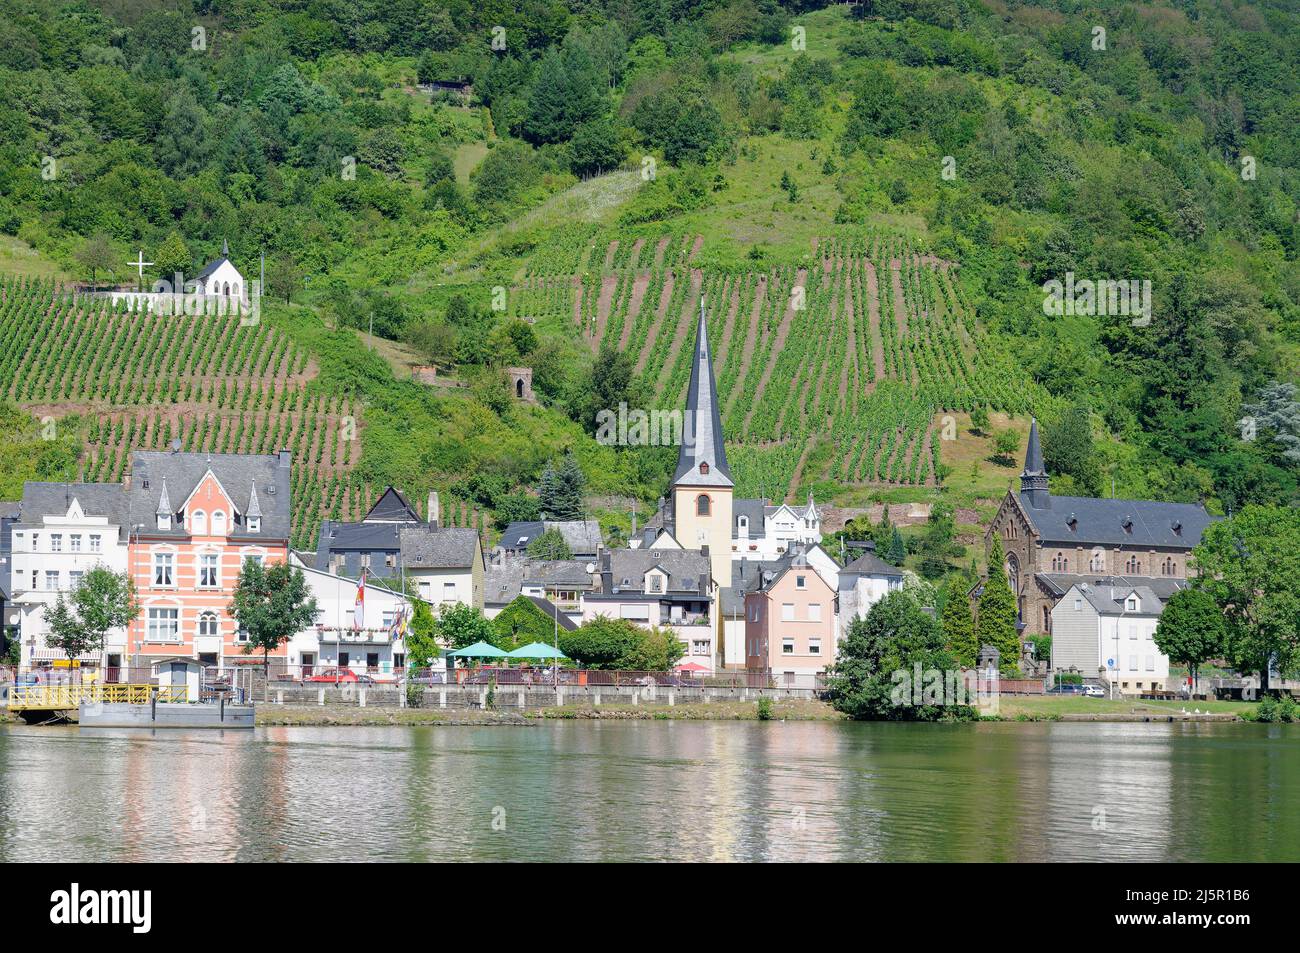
1033, 481
702, 456
225, 248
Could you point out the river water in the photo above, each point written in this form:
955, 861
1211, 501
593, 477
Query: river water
674, 790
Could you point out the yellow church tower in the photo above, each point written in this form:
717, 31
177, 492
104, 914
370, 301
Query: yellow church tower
702, 488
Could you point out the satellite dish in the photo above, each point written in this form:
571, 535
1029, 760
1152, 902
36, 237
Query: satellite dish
591, 568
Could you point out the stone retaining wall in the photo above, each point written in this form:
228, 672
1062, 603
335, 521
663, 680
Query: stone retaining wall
517, 697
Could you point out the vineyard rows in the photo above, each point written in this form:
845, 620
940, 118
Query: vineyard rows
862, 346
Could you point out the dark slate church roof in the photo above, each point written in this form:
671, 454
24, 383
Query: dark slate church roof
1102, 522
1085, 521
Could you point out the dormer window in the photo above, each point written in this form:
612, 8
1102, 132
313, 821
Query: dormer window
164, 521
199, 523
255, 524
704, 468
1127, 523
1073, 523
1132, 603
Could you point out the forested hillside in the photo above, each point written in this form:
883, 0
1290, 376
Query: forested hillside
870, 196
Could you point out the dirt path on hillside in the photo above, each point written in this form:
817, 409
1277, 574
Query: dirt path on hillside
576, 284
636, 253
665, 295
782, 333
609, 254
751, 342
639, 286
608, 285
685, 322
797, 477
849, 391
728, 329
695, 247
873, 322
660, 248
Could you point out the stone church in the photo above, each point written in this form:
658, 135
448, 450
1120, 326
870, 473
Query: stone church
1053, 542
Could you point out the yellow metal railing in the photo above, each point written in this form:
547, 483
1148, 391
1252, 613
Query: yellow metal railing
60, 697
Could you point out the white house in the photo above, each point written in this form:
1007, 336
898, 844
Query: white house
863, 583
335, 640
1109, 631
64, 530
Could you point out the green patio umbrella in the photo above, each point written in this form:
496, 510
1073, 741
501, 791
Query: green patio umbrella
478, 650
537, 650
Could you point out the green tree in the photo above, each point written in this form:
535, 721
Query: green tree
996, 623
522, 622
607, 643
285, 277
1191, 630
1005, 446
1068, 449
979, 419
459, 625
97, 254
568, 92
550, 545
597, 147
421, 637
959, 624
173, 256
101, 601
561, 488
878, 661
271, 604
1250, 563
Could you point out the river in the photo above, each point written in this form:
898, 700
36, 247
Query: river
657, 790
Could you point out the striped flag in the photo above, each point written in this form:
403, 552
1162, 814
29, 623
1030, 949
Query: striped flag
359, 607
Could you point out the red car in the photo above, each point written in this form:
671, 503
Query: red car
339, 675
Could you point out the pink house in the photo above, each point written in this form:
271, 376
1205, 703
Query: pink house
790, 620
195, 519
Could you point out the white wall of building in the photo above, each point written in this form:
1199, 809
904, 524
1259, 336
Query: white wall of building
46, 561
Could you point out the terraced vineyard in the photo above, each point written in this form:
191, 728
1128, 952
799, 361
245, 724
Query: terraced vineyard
142, 381
848, 361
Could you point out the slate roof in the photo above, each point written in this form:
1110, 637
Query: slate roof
1058, 584
216, 263
687, 570
583, 537
53, 499
428, 547
702, 440
869, 564
237, 474
505, 579
520, 533
1101, 522
1109, 600
392, 507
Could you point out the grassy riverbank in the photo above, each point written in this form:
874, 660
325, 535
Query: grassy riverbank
338, 715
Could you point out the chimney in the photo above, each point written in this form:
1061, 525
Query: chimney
435, 513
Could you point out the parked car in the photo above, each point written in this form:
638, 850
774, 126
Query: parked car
339, 675
1094, 691
428, 678
1065, 690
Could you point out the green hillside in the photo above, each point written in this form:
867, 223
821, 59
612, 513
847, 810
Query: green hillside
869, 197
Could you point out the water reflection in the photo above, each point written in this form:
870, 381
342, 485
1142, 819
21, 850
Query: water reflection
653, 791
